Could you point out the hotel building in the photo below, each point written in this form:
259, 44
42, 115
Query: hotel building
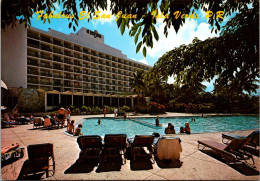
68, 69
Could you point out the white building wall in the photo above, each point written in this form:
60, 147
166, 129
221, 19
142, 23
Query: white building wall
14, 56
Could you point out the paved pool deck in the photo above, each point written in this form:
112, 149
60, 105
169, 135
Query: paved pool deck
196, 165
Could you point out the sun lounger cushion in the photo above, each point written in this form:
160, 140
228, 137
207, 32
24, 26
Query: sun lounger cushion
168, 148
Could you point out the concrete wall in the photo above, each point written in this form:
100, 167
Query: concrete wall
14, 56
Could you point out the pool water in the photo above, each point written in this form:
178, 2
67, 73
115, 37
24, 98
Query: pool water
201, 125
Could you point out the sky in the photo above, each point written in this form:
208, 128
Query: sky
192, 28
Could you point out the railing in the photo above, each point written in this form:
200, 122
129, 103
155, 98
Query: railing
57, 59
67, 46
68, 85
46, 57
68, 54
67, 61
57, 76
33, 72
57, 51
77, 49
33, 63
57, 43
46, 39
46, 83
45, 65
46, 48
68, 77
33, 45
57, 67
33, 81
34, 54
67, 69
45, 74
31, 35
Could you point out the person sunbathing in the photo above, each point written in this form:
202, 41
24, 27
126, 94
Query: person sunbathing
78, 130
8, 148
70, 127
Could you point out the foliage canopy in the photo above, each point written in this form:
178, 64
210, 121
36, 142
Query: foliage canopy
144, 23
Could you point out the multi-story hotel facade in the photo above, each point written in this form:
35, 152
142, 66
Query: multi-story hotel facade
65, 69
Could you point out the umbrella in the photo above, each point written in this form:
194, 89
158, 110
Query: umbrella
3, 108
3, 85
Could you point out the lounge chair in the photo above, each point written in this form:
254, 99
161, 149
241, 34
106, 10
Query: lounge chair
90, 146
39, 157
37, 122
254, 138
141, 141
14, 152
115, 142
47, 123
168, 148
231, 152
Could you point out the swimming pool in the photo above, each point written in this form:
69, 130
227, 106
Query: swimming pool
201, 125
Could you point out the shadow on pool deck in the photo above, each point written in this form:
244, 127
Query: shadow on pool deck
240, 167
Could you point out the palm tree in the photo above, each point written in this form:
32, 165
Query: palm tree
137, 83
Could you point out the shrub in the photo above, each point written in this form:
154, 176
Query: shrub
206, 107
124, 109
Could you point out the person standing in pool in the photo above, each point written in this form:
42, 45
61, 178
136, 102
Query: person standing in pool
99, 121
187, 128
157, 123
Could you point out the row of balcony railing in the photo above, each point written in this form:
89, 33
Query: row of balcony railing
59, 51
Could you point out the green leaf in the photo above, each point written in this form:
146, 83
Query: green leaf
122, 27
155, 34
70, 24
144, 51
138, 46
136, 38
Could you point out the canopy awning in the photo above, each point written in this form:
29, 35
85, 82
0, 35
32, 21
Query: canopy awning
3, 85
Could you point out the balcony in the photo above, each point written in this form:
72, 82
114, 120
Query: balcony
33, 35
45, 65
33, 72
68, 69
46, 48
68, 85
57, 84
57, 59
57, 76
77, 63
47, 74
46, 39
33, 45
77, 56
67, 61
56, 42
66, 45
46, 83
77, 86
57, 67
33, 81
77, 48
46, 57
68, 54
77, 71
86, 51
34, 63
68, 77
57, 51
86, 80
34, 54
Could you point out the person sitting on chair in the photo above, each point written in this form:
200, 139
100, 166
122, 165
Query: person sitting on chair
169, 129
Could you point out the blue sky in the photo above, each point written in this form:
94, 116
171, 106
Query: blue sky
192, 28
